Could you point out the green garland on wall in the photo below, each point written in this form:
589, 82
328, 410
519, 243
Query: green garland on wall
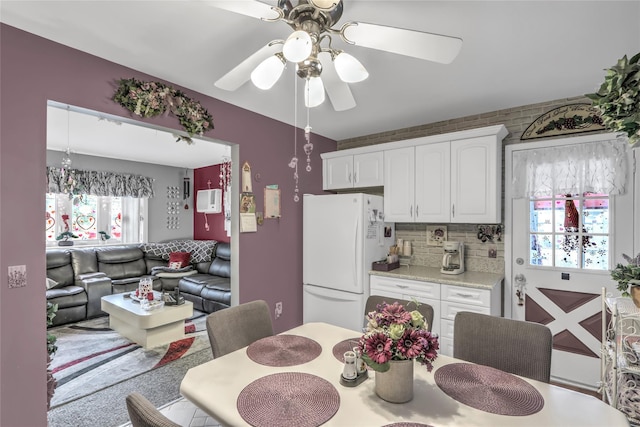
150, 99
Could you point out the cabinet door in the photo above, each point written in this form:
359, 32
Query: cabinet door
433, 191
399, 184
368, 170
338, 173
476, 173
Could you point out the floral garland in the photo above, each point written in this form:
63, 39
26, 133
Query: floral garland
150, 99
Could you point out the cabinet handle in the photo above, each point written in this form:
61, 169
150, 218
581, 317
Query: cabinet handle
355, 177
411, 211
453, 211
402, 286
460, 294
417, 214
349, 177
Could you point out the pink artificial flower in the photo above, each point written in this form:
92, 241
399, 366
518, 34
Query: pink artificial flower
395, 313
411, 344
378, 347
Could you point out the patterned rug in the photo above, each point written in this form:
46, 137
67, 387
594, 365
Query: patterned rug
91, 356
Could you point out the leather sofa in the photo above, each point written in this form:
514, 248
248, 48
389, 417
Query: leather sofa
82, 276
211, 290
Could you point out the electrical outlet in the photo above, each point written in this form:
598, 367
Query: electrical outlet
278, 310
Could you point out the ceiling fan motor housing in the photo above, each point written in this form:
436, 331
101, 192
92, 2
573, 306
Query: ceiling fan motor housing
312, 10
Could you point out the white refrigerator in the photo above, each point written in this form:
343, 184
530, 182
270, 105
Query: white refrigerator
343, 234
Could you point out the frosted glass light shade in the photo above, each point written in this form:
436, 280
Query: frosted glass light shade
313, 92
267, 73
349, 69
298, 46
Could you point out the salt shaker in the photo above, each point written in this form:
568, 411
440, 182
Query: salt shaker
360, 365
349, 371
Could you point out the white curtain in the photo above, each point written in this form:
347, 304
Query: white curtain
597, 167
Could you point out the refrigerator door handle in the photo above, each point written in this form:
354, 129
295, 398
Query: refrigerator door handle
356, 270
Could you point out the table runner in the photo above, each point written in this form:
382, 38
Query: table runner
288, 399
283, 350
406, 424
489, 389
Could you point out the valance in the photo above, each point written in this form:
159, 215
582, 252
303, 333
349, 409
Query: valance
596, 167
98, 183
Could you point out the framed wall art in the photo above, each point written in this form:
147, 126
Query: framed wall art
436, 234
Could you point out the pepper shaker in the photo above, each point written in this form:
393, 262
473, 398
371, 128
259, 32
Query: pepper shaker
349, 371
360, 365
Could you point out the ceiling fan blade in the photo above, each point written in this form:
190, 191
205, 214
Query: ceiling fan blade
418, 44
338, 91
242, 72
252, 8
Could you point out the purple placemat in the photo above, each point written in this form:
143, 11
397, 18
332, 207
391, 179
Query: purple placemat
488, 389
288, 399
343, 346
283, 350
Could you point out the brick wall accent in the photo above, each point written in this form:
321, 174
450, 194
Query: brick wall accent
476, 257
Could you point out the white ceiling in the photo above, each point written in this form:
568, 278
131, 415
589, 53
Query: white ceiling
97, 134
514, 53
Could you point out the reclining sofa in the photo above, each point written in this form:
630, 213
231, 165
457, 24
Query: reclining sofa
77, 278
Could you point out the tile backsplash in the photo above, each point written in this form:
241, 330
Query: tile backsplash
477, 253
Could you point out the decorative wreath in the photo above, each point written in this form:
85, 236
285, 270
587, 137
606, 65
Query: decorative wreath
150, 99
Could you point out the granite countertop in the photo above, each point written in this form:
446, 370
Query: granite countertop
470, 279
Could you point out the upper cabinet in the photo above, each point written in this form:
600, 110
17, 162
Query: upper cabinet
352, 171
447, 178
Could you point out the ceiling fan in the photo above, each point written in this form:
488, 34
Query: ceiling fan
309, 47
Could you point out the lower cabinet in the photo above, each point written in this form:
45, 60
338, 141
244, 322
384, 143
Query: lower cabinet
445, 299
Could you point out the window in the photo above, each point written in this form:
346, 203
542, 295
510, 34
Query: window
87, 216
570, 231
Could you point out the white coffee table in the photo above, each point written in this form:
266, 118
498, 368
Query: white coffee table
147, 328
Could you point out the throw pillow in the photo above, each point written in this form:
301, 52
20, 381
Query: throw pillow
52, 284
181, 258
201, 250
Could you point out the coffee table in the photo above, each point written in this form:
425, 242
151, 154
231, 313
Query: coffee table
147, 328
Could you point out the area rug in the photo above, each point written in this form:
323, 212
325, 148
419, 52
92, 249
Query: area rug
91, 357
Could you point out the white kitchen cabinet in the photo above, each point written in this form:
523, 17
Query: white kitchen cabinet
476, 180
461, 298
353, 171
416, 184
424, 292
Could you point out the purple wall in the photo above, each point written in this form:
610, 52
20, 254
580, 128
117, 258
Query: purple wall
34, 70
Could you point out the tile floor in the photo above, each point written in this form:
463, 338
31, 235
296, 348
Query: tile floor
186, 414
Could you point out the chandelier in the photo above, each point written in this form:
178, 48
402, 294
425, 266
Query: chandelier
323, 67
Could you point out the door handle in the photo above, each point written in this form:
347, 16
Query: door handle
520, 284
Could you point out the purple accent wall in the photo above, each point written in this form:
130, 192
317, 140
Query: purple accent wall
34, 70
201, 176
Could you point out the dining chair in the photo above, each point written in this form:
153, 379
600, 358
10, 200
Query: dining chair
235, 327
142, 413
425, 309
515, 346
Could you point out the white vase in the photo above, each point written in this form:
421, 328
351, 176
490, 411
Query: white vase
396, 385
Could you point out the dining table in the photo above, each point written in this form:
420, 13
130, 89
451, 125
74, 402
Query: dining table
294, 379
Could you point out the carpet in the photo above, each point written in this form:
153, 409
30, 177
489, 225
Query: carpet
92, 357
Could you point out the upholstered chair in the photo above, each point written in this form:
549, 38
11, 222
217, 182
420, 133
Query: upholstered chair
425, 309
142, 413
515, 346
235, 327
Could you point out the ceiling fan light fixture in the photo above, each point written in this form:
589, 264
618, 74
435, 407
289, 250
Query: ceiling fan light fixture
313, 92
324, 4
267, 73
298, 46
349, 69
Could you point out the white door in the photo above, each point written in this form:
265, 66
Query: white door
368, 170
338, 173
558, 254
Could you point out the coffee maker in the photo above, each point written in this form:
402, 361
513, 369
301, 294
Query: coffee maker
453, 258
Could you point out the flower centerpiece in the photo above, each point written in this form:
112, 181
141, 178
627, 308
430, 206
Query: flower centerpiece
628, 277
395, 336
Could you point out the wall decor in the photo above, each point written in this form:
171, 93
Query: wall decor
436, 234
173, 207
568, 119
486, 233
150, 99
